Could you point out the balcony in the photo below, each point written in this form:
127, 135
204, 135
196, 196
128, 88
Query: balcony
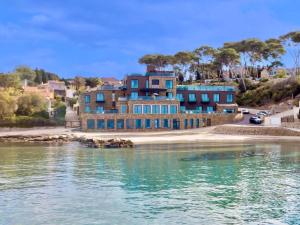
192, 100
205, 88
206, 100
147, 98
111, 111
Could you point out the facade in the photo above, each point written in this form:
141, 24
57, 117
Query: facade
154, 102
58, 87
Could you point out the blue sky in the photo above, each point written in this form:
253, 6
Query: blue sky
106, 37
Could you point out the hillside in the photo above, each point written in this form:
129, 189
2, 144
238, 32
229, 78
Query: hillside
268, 92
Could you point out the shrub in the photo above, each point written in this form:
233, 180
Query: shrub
30, 103
27, 121
7, 105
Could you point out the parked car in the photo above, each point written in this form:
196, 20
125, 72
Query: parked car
262, 113
255, 120
245, 111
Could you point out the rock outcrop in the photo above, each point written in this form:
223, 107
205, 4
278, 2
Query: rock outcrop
36, 138
110, 143
64, 138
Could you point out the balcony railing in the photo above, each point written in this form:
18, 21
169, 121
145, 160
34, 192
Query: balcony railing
146, 98
192, 100
205, 88
111, 111
206, 100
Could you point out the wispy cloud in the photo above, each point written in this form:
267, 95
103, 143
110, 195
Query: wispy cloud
98, 36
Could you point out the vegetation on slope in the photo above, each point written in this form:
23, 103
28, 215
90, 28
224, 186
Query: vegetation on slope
268, 92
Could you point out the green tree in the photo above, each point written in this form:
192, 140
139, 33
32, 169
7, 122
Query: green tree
7, 105
79, 83
25, 72
29, 104
39, 77
92, 82
159, 61
204, 57
292, 43
272, 52
226, 59
9, 81
183, 61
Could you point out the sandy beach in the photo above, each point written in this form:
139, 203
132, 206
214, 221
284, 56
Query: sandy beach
224, 134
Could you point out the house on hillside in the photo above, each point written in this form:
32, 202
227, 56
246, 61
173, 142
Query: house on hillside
111, 81
58, 87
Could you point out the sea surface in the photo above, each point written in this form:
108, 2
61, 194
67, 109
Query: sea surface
151, 184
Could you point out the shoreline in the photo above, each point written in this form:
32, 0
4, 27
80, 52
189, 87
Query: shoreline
216, 134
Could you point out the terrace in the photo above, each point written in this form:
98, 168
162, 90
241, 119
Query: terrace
204, 88
146, 98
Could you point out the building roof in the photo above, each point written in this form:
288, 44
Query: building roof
41, 90
57, 85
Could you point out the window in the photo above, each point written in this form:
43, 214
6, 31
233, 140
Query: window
99, 109
123, 109
87, 99
176, 124
182, 109
120, 124
169, 84
156, 123
185, 123
164, 109
199, 109
137, 109
197, 123
110, 124
147, 83
169, 95
100, 124
147, 109
134, 95
90, 124
155, 109
134, 84
138, 124
191, 123
147, 123
229, 98
180, 97
216, 97
166, 123
129, 123
173, 109
155, 82
192, 98
210, 109
228, 110
100, 97
204, 98
87, 109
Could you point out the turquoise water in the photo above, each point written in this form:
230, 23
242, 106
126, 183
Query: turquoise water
158, 184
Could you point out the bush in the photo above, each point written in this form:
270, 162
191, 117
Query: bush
72, 101
269, 92
42, 114
7, 105
30, 103
27, 121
